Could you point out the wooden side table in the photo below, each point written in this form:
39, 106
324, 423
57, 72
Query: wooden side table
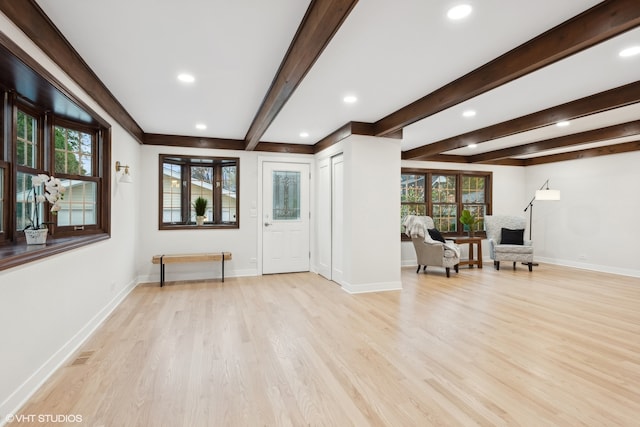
473, 260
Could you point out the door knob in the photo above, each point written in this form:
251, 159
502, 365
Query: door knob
266, 224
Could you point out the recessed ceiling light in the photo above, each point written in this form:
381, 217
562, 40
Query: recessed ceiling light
201, 126
472, 145
563, 123
459, 12
304, 134
469, 113
186, 78
350, 99
630, 51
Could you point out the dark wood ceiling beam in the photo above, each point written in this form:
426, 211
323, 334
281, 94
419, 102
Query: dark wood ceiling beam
223, 144
193, 141
351, 128
449, 158
277, 147
603, 21
614, 98
508, 162
345, 131
616, 131
333, 138
585, 154
319, 25
28, 16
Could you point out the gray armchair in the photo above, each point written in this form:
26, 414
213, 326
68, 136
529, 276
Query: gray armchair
500, 250
430, 252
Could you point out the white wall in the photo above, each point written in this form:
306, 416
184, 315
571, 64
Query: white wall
595, 224
241, 242
591, 226
47, 308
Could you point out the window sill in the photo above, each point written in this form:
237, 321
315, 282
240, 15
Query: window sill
480, 234
198, 227
20, 253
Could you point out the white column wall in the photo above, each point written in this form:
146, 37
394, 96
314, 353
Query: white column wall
371, 220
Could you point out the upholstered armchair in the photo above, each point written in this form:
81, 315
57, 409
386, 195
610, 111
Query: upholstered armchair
506, 240
431, 252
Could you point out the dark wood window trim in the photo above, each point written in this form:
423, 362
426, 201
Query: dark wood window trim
459, 173
94, 177
55, 104
4, 215
185, 161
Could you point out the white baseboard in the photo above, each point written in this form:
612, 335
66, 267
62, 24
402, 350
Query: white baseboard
23, 393
587, 266
567, 263
371, 287
181, 276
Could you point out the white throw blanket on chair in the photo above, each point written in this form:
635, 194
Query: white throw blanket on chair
415, 226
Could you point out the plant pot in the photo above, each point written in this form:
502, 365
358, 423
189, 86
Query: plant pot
200, 220
36, 237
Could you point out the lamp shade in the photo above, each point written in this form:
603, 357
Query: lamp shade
126, 177
547, 194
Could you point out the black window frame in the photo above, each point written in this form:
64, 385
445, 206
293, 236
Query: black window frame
428, 203
188, 161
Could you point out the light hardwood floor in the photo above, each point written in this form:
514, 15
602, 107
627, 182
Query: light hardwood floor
558, 346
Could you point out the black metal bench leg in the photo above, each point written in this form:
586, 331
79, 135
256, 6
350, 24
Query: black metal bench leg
222, 267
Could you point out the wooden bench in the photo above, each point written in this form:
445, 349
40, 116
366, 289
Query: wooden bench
178, 258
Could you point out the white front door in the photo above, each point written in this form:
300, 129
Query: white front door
285, 222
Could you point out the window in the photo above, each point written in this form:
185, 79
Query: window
27, 139
443, 195
71, 155
39, 142
47, 130
74, 164
185, 178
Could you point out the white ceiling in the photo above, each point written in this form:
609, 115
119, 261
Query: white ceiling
388, 53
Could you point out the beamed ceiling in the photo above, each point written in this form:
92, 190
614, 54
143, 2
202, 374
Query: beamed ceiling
267, 71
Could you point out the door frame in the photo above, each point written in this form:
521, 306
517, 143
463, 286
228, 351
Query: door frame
299, 159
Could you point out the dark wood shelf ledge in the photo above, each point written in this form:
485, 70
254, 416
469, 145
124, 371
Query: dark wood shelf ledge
13, 255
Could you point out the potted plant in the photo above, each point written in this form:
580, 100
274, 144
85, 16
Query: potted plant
470, 220
200, 206
53, 192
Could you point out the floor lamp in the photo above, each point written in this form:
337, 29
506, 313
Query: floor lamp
544, 193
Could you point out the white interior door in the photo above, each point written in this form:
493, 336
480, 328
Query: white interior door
337, 218
285, 224
323, 218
